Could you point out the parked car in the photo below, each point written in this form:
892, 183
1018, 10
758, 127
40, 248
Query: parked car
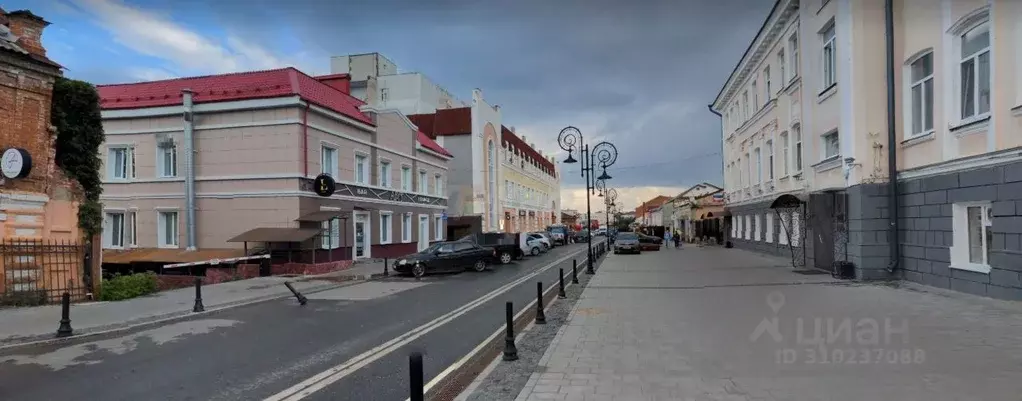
543, 239
558, 234
627, 243
451, 256
582, 236
601, 232
649, 242
506, 245
531, 245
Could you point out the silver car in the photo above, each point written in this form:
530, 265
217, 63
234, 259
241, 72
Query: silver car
627, 243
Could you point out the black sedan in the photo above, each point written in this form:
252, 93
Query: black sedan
453, 256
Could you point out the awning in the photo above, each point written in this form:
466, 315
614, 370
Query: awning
321, 216
277, 234
167, 255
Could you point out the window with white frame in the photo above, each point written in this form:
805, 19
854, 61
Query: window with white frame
785, 154
734, 227
166, 160
739, 227
781, 67
168, 228
422, 181
793, 49
113, 233
406, 178
974, 83
770, 159
328, 161
759, 166
438, 187
745, 106
406, 227
971, 224
831, 145
741, 180
921, 98
755, 97
438, 228
829, 56
131, 231
121, 162
782, 231
386, 226
757, 226
361, 168
331, 237
769, 227
767, 84
797, 130
748, 170
748, 227
385, 180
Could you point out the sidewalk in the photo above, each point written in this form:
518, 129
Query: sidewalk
21, 325
723, 324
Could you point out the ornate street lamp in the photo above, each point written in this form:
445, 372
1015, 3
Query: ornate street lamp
604, 154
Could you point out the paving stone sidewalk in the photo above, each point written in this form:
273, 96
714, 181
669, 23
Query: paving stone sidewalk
724, 324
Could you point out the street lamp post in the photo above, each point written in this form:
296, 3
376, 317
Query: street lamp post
603, 154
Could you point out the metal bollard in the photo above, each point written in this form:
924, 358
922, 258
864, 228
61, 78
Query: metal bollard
65, 329
540, 314
198, 296
302, 300
415, 379
560, 284
386, 267
589, 267
574, 271
510, 350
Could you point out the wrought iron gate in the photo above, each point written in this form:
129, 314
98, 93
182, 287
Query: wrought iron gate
40, 271
792, 215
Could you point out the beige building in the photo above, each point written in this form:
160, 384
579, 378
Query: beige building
954, 121
257, 141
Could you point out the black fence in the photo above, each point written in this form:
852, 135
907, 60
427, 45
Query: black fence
38, 272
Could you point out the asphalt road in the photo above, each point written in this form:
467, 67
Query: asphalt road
261, 350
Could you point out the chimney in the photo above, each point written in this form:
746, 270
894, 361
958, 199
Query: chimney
341, 82
523, 138
28, 28
371, 95
512, 129
532, 145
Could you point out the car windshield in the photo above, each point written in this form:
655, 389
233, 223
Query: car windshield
627, 236
434, 247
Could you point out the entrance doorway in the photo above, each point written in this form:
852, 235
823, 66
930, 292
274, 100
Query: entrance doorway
362, 247
423, 231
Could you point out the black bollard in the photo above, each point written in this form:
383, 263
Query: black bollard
589, 267
560, 284
415, 379
510, 350
198, 296
540, 314
65, 329
301, 298
574, 271
386, 267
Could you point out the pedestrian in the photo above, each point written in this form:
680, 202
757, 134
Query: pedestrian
667, 238
677, 240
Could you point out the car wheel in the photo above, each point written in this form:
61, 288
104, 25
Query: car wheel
535, 251
505, 258
418, 270
479, 266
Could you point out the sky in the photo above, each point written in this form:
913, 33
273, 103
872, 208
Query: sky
638, 74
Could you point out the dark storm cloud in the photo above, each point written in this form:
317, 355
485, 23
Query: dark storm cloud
642, 72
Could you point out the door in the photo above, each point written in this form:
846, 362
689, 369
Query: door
465, 255
362, 236
821, 229
423, 231
447, 259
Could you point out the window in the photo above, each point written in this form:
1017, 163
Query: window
766, 81
748, 227
331, 237
784, 154
793, 48
782, 232
384, 94
406, 178
745, 106
131, 231
972, 238
361, 161
798, 148
829, 57
781, 63
438, 228
167, 229
406, 227
757, 224
740, 228
748, 170
121, 163
769, 227
114, 230
166, 160
741, 180
385, 174
921, 87
328, 161
759, 166
422, 181
438, 188
831, 145
796, 223
386, 226
770, 160
755, 97
975, 71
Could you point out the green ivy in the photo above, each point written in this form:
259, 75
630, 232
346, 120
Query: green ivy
75, 114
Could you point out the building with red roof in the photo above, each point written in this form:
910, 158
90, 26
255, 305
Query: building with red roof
229, 162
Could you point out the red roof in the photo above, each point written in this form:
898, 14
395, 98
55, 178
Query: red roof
521, 146
236, 86
431, 144
444, 122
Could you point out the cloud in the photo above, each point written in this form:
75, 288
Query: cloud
150, 74
628, 198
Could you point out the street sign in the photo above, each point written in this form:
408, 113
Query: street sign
324, 185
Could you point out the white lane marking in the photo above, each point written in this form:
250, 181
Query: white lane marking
500, 331
332, 375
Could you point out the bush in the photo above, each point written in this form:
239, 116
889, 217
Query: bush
128, 286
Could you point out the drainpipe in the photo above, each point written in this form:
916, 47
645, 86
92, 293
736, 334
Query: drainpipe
710, 107
189, 118
305, 140
892, 142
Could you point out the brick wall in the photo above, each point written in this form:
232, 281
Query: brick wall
25, 100
868, 231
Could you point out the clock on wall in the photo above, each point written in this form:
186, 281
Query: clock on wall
16, 163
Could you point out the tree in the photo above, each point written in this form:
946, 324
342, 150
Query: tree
76, 115
623, 223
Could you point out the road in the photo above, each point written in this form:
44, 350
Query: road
268, 350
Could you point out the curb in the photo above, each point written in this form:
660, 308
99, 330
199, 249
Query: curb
46, 339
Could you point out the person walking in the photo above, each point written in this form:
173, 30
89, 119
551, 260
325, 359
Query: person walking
677, 240
667, 238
